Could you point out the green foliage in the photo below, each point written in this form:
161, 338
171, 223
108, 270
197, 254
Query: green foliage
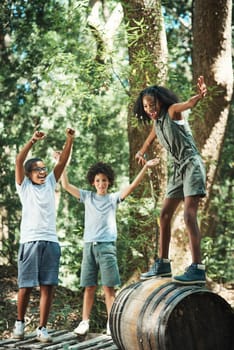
178, 23
137, 221
50, 79
218, 257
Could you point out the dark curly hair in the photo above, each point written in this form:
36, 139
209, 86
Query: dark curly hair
159, 93
29, 163
101, 168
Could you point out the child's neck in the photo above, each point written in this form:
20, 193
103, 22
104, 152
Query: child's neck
102, 193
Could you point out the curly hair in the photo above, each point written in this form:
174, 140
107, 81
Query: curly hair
28, 164
159, 93
101, 168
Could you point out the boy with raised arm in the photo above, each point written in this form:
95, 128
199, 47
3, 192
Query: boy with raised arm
39, 250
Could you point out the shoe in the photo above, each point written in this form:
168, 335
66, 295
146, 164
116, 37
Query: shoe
18, 331
83, 328
194, 274
43, 336
160, 268
108, 331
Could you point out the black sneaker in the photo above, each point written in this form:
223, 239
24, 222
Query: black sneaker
160, 268
194, 274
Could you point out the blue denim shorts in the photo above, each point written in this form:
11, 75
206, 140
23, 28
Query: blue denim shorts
99, 256
38, 264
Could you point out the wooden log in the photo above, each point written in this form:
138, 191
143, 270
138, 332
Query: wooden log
160, 315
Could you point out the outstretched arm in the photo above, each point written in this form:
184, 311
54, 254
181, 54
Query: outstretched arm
21, 156
140, 154
129, 189
64, 155
190, 103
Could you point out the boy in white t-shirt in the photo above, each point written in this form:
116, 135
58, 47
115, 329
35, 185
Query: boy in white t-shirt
100, 234
39, 251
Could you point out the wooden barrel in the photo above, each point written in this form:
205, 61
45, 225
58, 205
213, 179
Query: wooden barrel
160, 315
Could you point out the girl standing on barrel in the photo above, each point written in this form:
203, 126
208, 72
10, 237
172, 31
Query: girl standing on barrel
187, 182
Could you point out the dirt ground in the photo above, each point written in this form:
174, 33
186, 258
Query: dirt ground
67, 306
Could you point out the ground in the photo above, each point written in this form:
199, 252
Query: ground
67, 305
65, 313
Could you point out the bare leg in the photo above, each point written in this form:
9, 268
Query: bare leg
109, 298
23, 300
168, 209
190, 219
46, 298
88, 301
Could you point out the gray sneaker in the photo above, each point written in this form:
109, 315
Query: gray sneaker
194, 274
18, 331
43, 336
160, 268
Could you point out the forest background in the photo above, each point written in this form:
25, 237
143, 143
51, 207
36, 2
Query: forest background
81, 64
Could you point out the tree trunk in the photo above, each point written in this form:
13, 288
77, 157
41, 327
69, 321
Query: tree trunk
147, 48
212, 57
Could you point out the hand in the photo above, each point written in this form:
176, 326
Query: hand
201, 86
38, 135
70, 133
152, 162
56, 155
140, 158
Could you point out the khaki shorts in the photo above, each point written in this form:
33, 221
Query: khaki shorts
189, 179
99, 256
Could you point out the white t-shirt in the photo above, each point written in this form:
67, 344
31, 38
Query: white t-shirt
100, 216
38, 221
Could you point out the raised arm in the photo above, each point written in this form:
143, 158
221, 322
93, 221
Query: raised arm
191, 102
65, 153
21, 156
73, 190
140, 154
129, 189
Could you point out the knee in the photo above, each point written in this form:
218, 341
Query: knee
109, 291
90, 289
25, 292
189, 218
165, 216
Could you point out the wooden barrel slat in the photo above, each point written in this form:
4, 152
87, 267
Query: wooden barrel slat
151, 303
179, 292
160, 315
123, 297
